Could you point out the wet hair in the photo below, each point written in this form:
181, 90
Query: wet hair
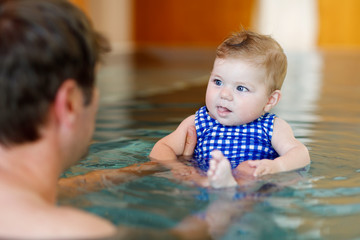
259, 49
42, 43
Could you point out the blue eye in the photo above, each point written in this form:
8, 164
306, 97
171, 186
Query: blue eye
218, 82
242, 89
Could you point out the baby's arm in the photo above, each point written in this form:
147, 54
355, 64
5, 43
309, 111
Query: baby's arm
180, 142
168, 148
293, 154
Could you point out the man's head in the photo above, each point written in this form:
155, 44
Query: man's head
42, 44
260, 50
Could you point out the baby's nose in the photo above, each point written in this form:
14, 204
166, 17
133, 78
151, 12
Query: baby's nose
226, 94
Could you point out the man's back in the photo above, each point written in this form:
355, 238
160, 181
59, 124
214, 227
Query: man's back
26, 215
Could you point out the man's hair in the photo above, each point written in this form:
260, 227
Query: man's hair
42, 43
259, 49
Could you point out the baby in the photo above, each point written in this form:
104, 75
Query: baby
236, 124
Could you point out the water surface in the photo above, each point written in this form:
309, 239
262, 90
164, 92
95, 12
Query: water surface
146, 95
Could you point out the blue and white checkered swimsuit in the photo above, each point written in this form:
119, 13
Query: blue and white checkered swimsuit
251, 141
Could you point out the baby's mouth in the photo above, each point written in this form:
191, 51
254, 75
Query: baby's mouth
223, 110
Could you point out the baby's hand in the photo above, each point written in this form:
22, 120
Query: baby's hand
181, 170
264, 167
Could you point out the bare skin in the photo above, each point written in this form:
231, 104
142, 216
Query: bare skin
219, 173
29, 174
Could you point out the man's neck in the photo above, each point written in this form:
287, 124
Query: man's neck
31, 168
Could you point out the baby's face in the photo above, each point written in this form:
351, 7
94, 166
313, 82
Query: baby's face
236, 92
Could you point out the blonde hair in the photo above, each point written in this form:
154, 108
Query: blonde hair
259, 49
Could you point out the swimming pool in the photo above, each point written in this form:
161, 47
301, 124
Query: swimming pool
146, 95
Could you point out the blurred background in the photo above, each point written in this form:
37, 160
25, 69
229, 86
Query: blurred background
165, 33
163, 51
295, 24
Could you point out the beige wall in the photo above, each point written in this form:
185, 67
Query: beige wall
112, 18
293, 23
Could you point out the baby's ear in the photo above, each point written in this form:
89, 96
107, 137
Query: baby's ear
274, 98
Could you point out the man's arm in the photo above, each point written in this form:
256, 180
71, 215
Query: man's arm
99, 179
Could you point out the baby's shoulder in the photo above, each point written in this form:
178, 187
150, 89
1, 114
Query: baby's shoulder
189, 121
186, 123
281, 125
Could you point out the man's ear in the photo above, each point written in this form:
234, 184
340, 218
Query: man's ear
67, 102
273, 99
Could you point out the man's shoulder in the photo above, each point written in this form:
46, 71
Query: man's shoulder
43, 221
81, 222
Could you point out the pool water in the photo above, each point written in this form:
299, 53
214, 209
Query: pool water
145, 96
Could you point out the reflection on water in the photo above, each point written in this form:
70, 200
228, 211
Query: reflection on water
321, 101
